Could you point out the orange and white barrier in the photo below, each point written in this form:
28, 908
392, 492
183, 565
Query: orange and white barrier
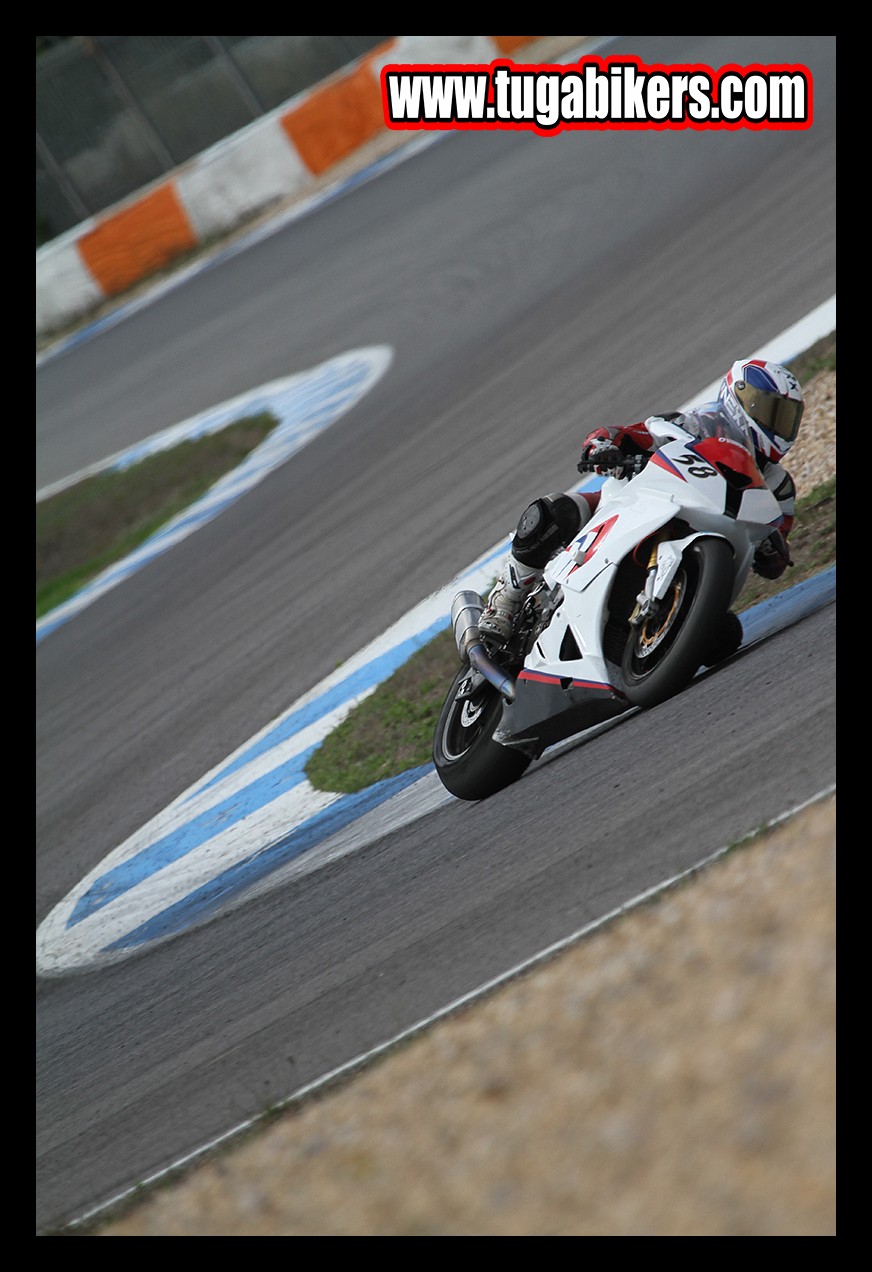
280, 156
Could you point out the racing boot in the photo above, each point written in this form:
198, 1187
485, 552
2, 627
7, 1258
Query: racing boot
514, 584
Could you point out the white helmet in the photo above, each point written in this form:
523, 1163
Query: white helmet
765, 400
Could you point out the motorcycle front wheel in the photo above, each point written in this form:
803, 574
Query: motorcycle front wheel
469, 763
663, 653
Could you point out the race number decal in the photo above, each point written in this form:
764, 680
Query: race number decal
695, 466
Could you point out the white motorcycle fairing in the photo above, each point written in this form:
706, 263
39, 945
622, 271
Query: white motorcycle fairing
626, 613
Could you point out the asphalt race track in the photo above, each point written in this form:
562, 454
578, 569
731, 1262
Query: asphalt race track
529, 289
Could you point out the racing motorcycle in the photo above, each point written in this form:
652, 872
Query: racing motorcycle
623, 618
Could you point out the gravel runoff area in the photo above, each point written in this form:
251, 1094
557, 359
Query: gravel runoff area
671, 1074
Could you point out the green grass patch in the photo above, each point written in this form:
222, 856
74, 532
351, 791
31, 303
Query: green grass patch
391, 731
820, 357
84, 529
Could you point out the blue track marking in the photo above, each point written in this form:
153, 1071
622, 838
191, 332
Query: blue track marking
226, 887
304, 405
264, 789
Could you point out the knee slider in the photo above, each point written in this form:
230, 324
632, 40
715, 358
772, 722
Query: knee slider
543, 528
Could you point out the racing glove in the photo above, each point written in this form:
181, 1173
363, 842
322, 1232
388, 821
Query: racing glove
601, 450
772, 557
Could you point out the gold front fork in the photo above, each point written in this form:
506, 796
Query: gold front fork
645, 600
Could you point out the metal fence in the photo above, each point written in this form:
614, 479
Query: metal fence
115, 112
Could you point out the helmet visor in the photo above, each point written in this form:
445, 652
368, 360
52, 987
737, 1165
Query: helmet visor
779, 416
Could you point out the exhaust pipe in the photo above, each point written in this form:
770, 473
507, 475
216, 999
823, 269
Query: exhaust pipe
466, 610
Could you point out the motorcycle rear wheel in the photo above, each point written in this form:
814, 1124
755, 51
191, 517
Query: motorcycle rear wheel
663, 654
469, 763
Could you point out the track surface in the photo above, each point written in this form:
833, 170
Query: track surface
530, 289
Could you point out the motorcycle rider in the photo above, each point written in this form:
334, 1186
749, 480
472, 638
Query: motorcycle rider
764, 399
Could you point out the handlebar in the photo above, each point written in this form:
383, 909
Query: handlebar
628, 467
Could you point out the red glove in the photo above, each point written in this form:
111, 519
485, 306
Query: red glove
594, 440
632, 439
601, 450
608, 447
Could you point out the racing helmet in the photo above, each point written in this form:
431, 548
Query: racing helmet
765, 400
